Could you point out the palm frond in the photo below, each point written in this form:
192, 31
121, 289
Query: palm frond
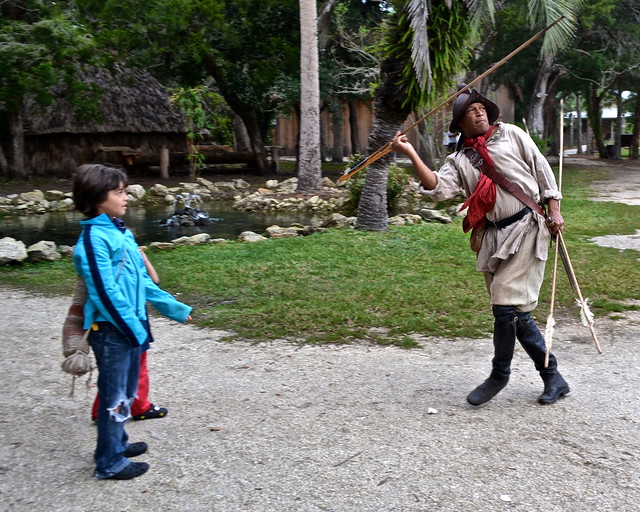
418, 14
481, 12
545, 12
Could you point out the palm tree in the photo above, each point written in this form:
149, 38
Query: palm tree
426, 48
309, 163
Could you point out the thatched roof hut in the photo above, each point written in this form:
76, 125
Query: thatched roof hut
136, 121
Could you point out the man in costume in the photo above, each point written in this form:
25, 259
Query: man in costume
513, 251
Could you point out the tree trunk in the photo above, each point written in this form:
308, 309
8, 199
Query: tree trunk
255, 128
427, 139
354, 128
551, 110
594, 108
551, 125
617, 140
579, 115
164, 163
337, 125
309, 164
372, 210
240, 135
4, 164
635, 136
540, 92
257, 147
16, 166
256, 141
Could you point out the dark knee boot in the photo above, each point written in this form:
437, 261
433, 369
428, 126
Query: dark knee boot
504, 340
534, 345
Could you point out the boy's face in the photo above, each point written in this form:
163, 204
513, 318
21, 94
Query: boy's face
115, 205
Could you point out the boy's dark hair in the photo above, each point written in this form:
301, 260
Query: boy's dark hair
92, 183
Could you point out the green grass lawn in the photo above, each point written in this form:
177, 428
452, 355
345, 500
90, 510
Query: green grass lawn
348, 285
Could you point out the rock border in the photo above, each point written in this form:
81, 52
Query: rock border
274, 196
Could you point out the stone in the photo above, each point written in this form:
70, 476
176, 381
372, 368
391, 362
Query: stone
199, 239
288, 186
240, 183
66, 251
454, 211
159, 190
54, 195
136, 191
36, 196
403, 219
43, 250
337, 220
225, 185
434, 216
12, 250
279, 232
206, 183
396, 221
250, 236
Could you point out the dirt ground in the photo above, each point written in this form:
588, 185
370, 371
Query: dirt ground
358, 428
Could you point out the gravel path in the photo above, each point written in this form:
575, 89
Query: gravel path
276, 427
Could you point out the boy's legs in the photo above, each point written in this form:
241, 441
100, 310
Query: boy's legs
118, 367
141, 404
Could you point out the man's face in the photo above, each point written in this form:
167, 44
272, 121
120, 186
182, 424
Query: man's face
475, 121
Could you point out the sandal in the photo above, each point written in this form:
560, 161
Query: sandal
153, 412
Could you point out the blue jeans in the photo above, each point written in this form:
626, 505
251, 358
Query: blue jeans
118, 367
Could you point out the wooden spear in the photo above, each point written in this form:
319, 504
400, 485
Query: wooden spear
586, 314
386, 148
551, 321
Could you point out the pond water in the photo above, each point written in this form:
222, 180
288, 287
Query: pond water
63, 228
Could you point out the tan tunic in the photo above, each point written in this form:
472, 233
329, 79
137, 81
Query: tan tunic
512, 258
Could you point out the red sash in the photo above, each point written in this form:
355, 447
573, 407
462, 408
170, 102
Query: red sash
483, 197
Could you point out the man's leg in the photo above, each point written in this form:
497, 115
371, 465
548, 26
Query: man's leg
504, 340
532, 341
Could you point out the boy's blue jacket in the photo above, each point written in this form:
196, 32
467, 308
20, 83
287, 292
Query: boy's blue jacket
108, 258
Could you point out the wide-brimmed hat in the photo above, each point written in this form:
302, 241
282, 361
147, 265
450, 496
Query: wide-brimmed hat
467, 98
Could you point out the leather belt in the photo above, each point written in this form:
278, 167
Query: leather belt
503, 223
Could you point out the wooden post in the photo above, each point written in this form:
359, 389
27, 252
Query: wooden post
164, 163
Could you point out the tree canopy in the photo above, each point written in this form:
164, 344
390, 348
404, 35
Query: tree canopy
409, 52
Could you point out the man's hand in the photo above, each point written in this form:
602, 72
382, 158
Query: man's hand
401, 144
557, 226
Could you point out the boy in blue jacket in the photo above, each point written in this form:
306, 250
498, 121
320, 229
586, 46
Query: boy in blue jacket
108, 259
